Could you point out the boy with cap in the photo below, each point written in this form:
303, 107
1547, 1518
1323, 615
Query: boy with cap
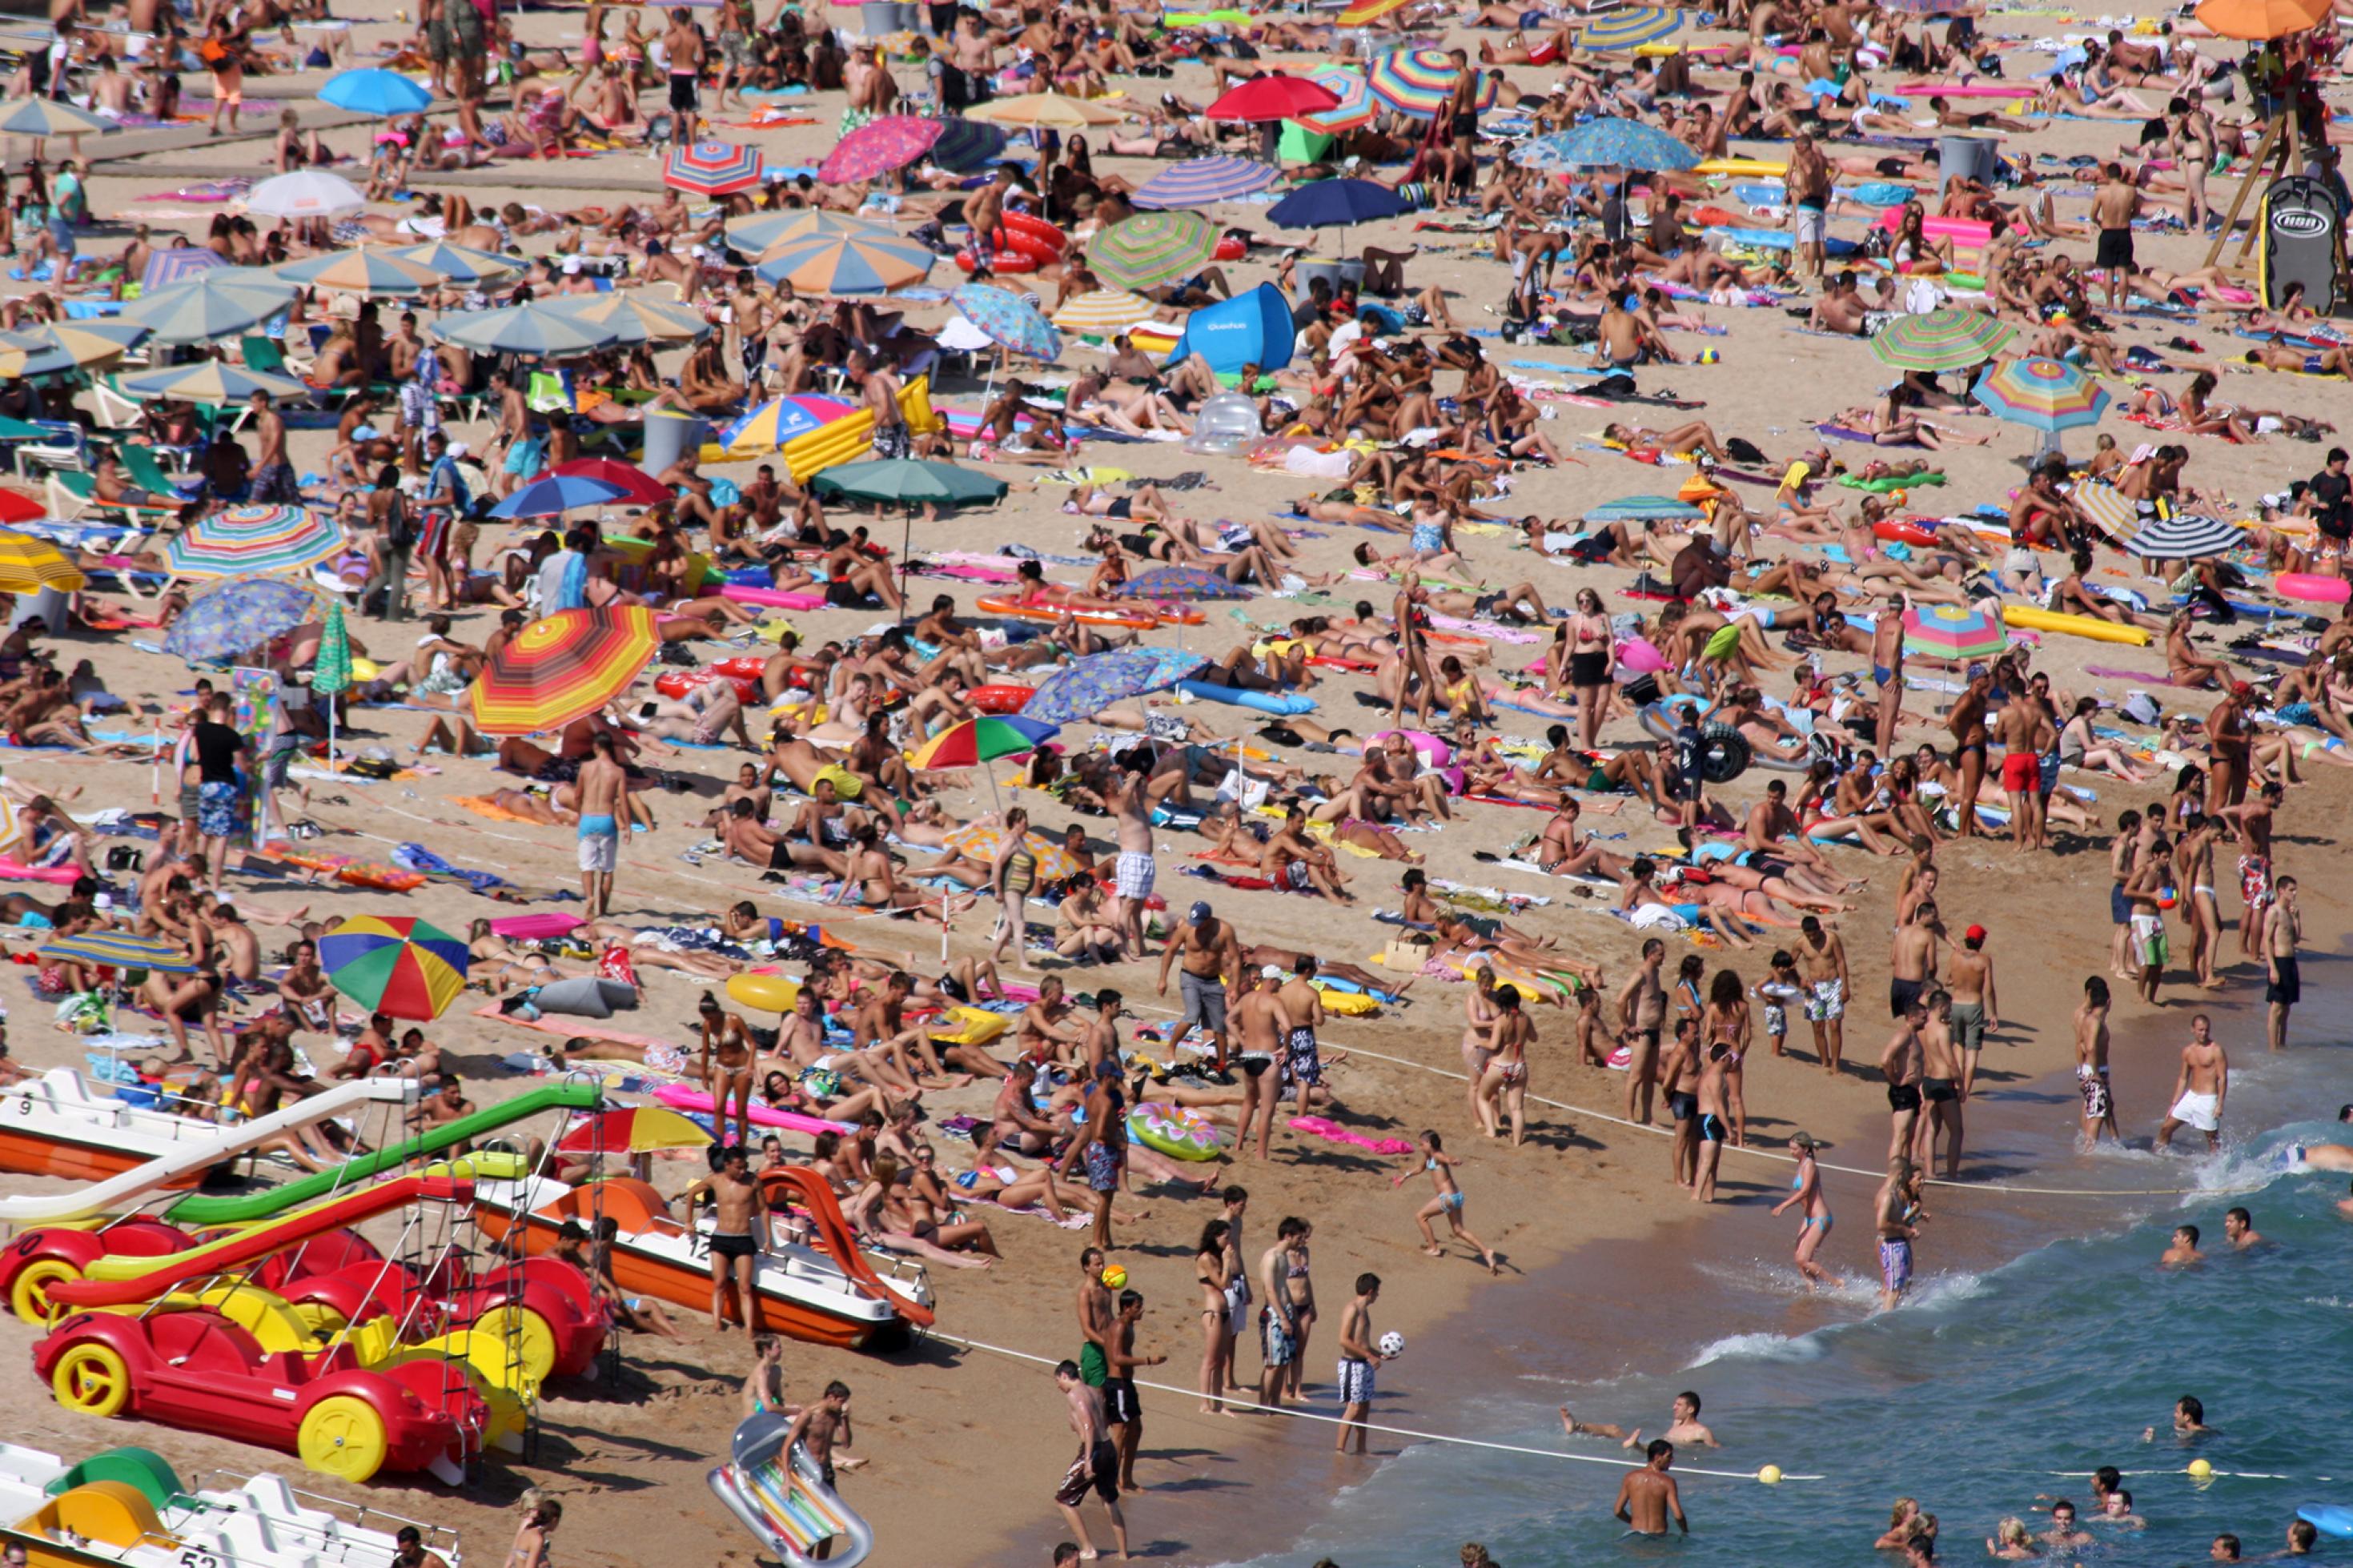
1969, 977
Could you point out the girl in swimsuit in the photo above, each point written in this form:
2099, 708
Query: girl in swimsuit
1449, 1201
1727, 1020
537, 1532
1806, 1189
1478, 1015
1210, 1272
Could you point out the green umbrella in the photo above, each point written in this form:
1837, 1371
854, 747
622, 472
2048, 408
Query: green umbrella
331, 669
1939, 340
210, 382
1150, 249
910, 482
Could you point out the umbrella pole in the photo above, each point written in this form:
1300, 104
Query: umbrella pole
906, 546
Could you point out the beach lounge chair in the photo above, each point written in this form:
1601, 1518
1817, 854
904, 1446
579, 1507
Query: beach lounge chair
70, 494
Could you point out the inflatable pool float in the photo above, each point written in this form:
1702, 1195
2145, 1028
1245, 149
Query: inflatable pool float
2311, 588
356, 873
1284, 702
2328, 1517
1348, 1003
677, 683
1049, 613
1900, 532
684, 1097
1434, 752
2090, 627
14, 871
763, 993
968, 1026
773, 598
1741, 166
1001, 699
1174, 1131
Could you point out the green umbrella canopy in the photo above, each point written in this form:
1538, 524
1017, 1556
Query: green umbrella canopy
331, 670
911, 481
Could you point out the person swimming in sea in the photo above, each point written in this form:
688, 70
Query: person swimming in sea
1682, 1426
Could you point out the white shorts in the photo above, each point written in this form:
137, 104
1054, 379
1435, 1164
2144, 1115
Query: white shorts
2199, 1110
1808, 225
1135, 875
599, 851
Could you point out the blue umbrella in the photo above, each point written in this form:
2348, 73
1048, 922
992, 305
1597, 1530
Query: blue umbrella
556, 494
1009, 320
535, 330
1610, 143
1328, 202
374, 91
1198, 181
1631, 28
176, 264
240, 616
1172, 584
1088, 686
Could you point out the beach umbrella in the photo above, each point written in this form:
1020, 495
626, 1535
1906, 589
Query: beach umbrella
1941, 340
29, 565
331, 669
911, 482
395, 964
251, 541
634, 316
885, 143
51, 117
2042, 395
712, 168
1274, 96
1046, 110
1368, 11
15, 506
176, 264
771, 423
1150, 249
1357, 109
209, 382
1198, 181
372, 90
455, 263
1609, 143
304, 193
552, 495
2107, 507
563, 668
1953, 631
365, 271
2256, 21
765, 231
62, 346
1415, 82
2183, 538
968, 145
846, 263
1326, 203
634, 485
1104, 312
122, 950
1094, 683
1008, 320
981, 840
220, 303
1631, 27
632, 1130
972, 741
1644, 509
238, 616
1170, 584
534, 331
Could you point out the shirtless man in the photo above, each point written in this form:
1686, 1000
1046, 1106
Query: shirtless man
1912, 959
2092, 1062
2200, 1088
1647, 1497
1821, 962
1683, 1425
682, 48
2019, 727
724, 1036
1212, 960
819, 1427
1968, 976
1264, 1025
1641, 1015
2283, 927
602, 785
1136, 870
1940, 1076
1901, 1065
738, 1210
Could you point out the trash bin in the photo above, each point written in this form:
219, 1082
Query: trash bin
1966, 157
671, 436
49, 604
877, 18
1337, 273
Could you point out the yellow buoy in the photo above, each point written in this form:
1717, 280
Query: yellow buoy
1770, 1474
2201, 1471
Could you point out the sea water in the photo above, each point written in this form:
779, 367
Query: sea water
1987, 1394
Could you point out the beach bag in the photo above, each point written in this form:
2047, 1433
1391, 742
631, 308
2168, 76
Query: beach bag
1409, 951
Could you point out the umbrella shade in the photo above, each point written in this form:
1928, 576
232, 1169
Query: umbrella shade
455, 263
534, 331
331, 666
238, 616
846, 263
396, 964
1643, 508
1953, 631
1357, 109
563, 668
305, 193
1150, 249
248, 541
911, 481
122, 950
765, 231
1274, 96
15, 506
29, 565
376, 91
209, 381
634, 317
1631, 27
1365, 11
632, 1130
982, 840
2253, 20
777, 421
968, 145
176, 263
2041, 394
365, 271
1171, 583
1095, 682
2184, 538
882, 145
51, 117
1940, 341
220, 303
636, 486
981, 739
1609, 143
66, 345
1198, 181
552, 495
712, 168
2107, 507
1415, 82
1052, 110
1103, 312
1328, 202
1008, 320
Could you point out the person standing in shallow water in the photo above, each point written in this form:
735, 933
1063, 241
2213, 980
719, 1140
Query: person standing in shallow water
1647, 1498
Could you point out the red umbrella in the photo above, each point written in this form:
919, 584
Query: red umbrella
17, 507
1274, 96
637, 488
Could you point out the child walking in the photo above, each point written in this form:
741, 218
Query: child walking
1449, 1201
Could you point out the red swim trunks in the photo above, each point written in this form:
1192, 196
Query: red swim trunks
2019, 771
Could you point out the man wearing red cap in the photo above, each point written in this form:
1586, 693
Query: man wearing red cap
1968, 976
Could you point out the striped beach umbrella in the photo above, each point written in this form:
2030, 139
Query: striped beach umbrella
2182, 537
535, 330
1609, 143
1198, 181
1274, 96
712, 168
1104, 312
2109, 508
1008, 320
1939, 340
455, 263
331, 666
1368, 11
176, 263
765, 231
634, 316
29, 565
972, 741
119, 949
2042, 395
251, 541
67, 345
632, 1130
238, 616
1415, 82
1150, 249
981, 840
1050, 110
220, 303
888, 142
398, 964
1953, 631
846, 263
778, 420
1357, 109
1631, 27
366, 271
51, 117
563, 668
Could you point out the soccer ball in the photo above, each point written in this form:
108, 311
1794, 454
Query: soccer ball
1392, 1344
1113, 1277
1709, 356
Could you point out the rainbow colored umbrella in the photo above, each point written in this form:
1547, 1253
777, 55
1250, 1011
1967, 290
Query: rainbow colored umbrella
1417, 82
981, 740
398, 964
1008, 320
1357, 109
250, 540
846, 263
1104, 312
563, 668
1198, 181
778, 420
1150, 249
2042, 395
1274, 96
632, 1130
1939, 340
1953, 631
1631, 27
888, 143
712, 168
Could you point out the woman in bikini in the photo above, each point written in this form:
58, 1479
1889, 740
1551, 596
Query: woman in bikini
1211, 1273
1727, 1021
1805, 1191
536, 1535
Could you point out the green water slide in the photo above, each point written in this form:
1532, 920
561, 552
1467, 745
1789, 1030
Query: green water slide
199, 1210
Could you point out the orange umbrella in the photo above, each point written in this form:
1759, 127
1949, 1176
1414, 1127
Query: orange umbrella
2259, 20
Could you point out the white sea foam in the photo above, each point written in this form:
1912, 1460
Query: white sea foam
1761, 1347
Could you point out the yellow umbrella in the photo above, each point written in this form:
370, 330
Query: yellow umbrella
1057, 111
1101, 312
28, 565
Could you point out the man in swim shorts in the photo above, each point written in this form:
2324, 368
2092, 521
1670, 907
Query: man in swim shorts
600, 788
1210, 956
739, 1209
2200, 1088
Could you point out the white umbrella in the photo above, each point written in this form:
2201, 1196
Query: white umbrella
306, 193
